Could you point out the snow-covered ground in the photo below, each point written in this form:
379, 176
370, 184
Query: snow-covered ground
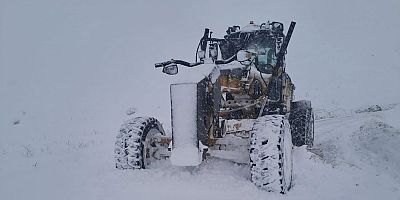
70, 69
355, 157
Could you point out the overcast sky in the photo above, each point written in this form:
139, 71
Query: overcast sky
94, 59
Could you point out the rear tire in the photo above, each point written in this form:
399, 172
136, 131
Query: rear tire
302, 123
271, 154
135, 146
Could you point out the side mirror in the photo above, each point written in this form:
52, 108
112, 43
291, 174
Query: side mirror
170, 69
201, 54
213, 51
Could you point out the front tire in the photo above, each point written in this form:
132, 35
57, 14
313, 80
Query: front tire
302, 123
137, 145
271, 154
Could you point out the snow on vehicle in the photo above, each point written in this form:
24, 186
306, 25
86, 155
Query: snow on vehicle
242, 111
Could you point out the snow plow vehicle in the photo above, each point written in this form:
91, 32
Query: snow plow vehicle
243, 111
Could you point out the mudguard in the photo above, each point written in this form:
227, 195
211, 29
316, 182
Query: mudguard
185, 143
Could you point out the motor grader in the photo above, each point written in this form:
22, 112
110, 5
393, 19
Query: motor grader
243, 111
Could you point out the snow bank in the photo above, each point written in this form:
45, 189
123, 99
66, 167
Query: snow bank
379, 143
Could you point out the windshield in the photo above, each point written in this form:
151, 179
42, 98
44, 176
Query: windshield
266, 56
266, 60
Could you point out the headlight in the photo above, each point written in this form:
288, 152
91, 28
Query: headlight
170, 69
245, 57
